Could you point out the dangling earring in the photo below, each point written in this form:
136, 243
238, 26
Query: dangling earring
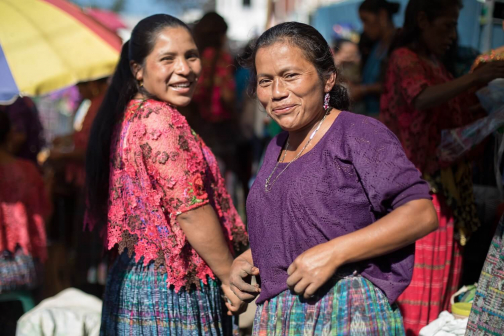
327, 97
140, 83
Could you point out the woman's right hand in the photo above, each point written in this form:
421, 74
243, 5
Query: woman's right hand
241, 272
487, 72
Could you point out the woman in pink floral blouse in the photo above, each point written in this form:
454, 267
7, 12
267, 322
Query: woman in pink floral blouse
156, 189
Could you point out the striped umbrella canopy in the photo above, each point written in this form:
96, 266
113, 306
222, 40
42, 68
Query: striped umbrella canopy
46, 45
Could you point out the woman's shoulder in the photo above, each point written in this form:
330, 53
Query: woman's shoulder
154, 113
357, 130
403, 53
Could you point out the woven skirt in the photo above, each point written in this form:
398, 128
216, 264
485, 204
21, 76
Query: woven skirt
487, 314
137, 301
19, 271
354, 306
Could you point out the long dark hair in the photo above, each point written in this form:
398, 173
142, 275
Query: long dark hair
375, 6
315, 49
5, 126
122, 89
410, 32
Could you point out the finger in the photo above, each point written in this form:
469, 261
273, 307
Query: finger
244, 286
294, 279
310, 291
247, 297
248, 269
292, 268
301, 286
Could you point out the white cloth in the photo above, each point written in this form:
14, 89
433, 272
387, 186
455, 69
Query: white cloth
69, 313
445, 325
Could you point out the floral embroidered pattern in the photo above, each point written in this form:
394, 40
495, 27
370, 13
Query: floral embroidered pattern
160, 169
23, 206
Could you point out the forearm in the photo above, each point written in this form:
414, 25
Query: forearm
436, 95
204, 232
400, 228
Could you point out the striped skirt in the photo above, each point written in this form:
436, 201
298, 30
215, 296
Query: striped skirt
137, 301
19, 271
436, 275
487, 314
354, 306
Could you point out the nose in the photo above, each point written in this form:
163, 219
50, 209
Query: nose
182, 67
279, 91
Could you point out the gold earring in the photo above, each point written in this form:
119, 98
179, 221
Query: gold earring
140, 83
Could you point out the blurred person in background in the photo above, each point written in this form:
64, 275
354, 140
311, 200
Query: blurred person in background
156, 190
28, 133
214, 103
486, 313
68, 157
24, 209
348, 62
379, 30
420, 99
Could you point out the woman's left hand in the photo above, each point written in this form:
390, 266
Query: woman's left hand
312, 269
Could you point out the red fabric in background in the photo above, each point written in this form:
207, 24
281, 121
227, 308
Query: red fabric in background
436, 275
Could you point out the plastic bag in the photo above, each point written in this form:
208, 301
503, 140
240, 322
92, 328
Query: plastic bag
457, 142
491, 96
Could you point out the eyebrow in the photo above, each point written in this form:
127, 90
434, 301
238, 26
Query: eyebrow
282, 71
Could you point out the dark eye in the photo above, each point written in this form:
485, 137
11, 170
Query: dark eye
264, 82
290, 75
192, 55
167, 58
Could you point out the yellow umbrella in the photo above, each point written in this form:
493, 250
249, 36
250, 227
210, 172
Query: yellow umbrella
46, 45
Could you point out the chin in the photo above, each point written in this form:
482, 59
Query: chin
179, 101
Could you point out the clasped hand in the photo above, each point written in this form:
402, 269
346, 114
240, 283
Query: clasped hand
312, 269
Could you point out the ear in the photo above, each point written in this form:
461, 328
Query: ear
137, 70
422, 21
330, 82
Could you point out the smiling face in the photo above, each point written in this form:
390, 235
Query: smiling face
289, 87
439, 34
171, 70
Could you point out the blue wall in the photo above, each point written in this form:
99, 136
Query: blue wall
347, 12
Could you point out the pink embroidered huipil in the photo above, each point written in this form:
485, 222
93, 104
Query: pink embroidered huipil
159, 169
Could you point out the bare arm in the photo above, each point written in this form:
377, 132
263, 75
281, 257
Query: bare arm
203, 231
435, 95
398, 229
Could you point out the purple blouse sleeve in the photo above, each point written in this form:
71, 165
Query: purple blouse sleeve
388, 177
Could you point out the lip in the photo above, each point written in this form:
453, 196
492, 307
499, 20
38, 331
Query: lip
181, 89
283, 109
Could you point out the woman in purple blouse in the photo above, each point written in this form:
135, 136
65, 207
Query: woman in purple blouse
336, 207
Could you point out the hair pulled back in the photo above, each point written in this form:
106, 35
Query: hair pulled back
375, 6
410, 33
315, 49
122, 89
5, 126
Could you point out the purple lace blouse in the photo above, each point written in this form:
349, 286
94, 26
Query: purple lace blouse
354, 175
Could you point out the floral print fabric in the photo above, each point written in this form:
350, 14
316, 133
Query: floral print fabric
23, 206
159, 169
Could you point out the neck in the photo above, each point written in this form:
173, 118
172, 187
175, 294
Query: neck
388, 34
300, 136
5, 156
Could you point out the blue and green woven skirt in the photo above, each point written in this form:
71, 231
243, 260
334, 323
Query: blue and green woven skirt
353, 306
138, 302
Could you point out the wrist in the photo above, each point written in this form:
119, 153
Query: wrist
338, 252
